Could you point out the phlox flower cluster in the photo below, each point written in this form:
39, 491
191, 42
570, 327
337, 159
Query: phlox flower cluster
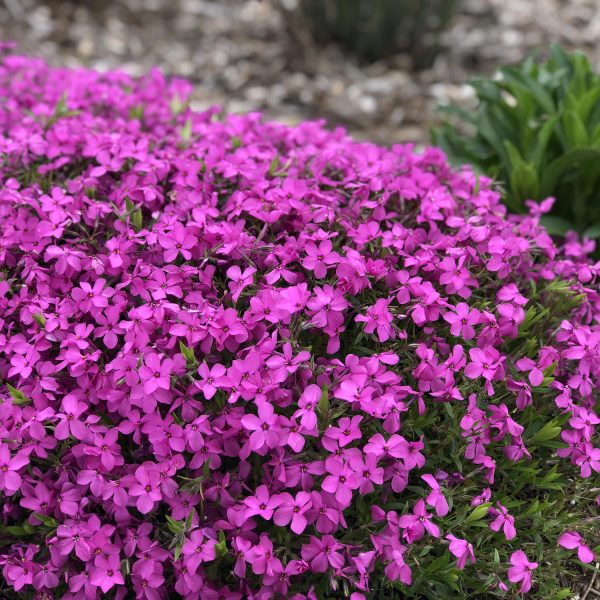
246, 360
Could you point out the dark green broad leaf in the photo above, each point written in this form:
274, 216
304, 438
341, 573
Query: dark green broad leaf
593, 231
536, 130
567, 161
523, 175
556, 225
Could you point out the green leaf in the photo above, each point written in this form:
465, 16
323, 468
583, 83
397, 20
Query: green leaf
524, 82
574, 129
221, 545
137, 112
592, 232
559, 167
177, 552
61, 105
523, 176
46, 520
176, 105
437, 564
478, 513
274, 165
188, 354
550, 370
559, 56
556, 225
586, 103
461, 150
536, 131
186, 132
174, 526
323, 405
16, 530
189, 520
562, 594
18, 397
540, 152
39, 319
137, 220
61, 110
488, 131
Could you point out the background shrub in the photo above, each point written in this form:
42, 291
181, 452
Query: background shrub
376, 29
536, 130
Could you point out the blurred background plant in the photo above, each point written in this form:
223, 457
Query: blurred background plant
376, 29
536, 130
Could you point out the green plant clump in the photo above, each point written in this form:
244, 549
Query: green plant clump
537, 131
375, 29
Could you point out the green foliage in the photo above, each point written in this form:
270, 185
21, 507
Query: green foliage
541, 493
18, 397
537, 131
374, 29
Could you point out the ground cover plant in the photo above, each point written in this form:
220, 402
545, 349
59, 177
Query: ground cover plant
245, 360
536, 130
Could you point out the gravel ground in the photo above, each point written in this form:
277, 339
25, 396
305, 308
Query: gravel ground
241, 54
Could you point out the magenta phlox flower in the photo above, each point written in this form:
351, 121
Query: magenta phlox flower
146, 488
10, 466
484, 363
320, 257
323, 553
292, 510
345, 432
96, 296
106, 448
307, 404
239, 280
436, 498
262, 503
287, 363
503, 521
24, 363
462, 549
340, 481
573, 541
456, 277
262, 558
521, 570
416, 524
197, 550
106, 572
462, 320
155, 373
379, 319
209, 377
536, 368
178, 241
366, 469
263, 427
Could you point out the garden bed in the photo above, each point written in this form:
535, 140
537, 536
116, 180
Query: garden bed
243, 359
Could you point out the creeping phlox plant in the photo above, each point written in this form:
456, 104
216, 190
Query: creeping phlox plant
246, 360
